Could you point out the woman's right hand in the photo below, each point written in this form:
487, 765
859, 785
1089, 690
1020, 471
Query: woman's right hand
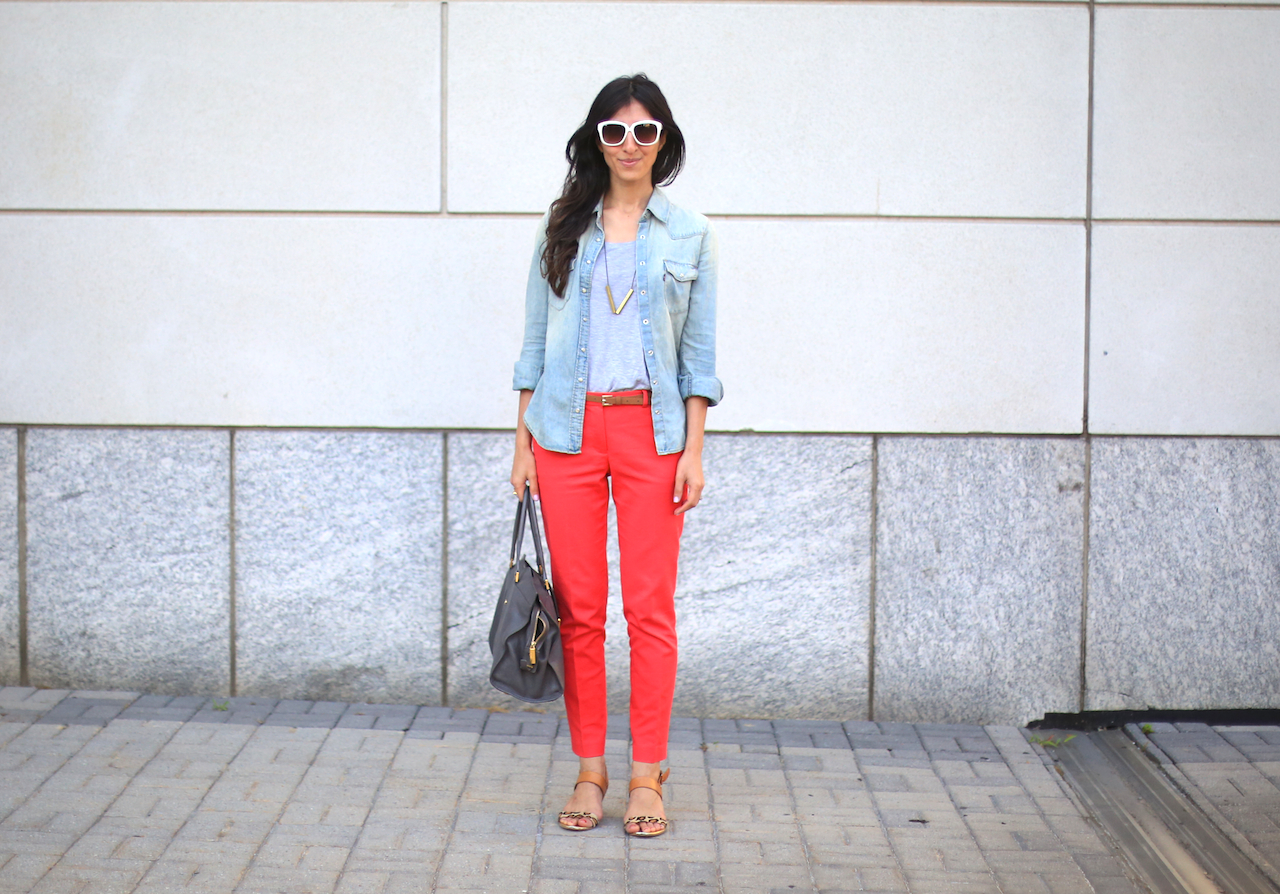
524, 470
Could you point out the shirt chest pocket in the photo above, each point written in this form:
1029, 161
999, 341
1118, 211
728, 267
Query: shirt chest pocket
677, 280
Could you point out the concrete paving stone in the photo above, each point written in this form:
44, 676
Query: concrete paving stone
166, 877
882, 879
1030, 861
1067, 884
301, 721
31, 698
269, 880
933, 882
889, 761
485, 872
20, 872
744, 876
74, 881
361, 882
1115, 885
84, 711
108, 695
576, 844
430, 734
465, 721
283, 840
1019, 823
179, 714
566, 886
382, 717
1024, 882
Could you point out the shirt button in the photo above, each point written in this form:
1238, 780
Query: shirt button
655, 381
651, 353
584, 319
642, 263
646, 322
579, 380
641, 237
641, 291
584, 291
584, 350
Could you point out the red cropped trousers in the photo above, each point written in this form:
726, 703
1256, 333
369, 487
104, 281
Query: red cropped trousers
618, 449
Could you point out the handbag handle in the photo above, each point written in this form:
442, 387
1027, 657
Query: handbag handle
523, 511
517, 534
537, 535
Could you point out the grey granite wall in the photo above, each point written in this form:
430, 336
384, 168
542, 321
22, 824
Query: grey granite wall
1184, 573
774, 590
9, 669
340, 545
481, 512
774, 578
127, 565
979, 570
338, 574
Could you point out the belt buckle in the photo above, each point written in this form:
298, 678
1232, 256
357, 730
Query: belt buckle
605, 400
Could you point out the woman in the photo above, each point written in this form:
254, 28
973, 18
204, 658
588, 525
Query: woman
615, 377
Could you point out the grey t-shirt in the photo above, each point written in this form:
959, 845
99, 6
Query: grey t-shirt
615, 352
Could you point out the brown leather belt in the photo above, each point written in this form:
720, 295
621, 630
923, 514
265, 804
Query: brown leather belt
620, 399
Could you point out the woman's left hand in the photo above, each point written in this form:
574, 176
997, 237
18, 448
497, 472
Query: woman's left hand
689, 481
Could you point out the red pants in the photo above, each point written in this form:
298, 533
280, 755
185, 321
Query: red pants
617, 444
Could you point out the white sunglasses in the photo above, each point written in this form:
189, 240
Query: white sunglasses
614, 133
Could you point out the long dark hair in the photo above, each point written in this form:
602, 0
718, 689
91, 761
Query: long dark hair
588, 176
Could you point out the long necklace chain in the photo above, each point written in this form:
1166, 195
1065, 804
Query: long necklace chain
608, 289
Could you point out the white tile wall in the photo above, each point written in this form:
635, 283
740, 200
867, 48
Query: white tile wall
787, 108
293, 106
901, 326
260, 320
210, 320
1185, 330
790, 109
1185, 114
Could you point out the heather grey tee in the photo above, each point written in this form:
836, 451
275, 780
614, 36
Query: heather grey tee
615, 353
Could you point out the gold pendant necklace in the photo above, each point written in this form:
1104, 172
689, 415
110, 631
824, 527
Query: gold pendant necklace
608, 290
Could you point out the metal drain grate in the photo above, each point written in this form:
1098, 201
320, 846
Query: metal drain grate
1168, 841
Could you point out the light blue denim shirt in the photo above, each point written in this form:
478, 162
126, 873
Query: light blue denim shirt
676, 283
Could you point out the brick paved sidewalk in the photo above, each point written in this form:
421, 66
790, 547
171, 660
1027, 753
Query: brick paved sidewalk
115, 792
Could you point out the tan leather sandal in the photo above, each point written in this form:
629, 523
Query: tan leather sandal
602, 783
656, 785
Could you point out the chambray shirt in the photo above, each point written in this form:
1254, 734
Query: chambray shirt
676, 298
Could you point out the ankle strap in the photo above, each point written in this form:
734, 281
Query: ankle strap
649, 782
595, 779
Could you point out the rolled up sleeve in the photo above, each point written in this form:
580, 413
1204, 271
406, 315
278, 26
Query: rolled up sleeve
528, 369
697, 353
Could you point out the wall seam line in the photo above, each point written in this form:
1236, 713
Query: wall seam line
1088, 225
444, 108
852, 216
24, 671
871, 590
1086, 502
1087, 509
444, 569
232, 683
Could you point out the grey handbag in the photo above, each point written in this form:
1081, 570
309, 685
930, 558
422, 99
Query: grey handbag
528, 659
